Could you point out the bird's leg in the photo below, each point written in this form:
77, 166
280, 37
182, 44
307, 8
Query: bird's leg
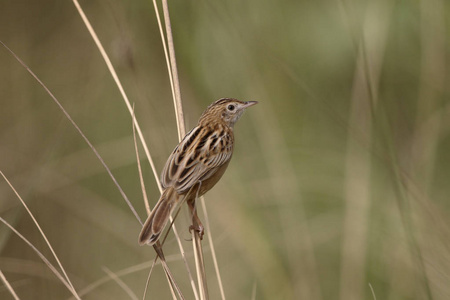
196, 223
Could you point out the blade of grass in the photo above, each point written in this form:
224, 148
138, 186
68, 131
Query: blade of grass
121, 283
148, 212
125, 98
176, 83
276, 154
118, 83
169, 69
8, 286
44, 259
173, 285
96, 153
40, 230
141, 178
211, 245
129, 270
197, 245
160, 253
147, 282
79, 131
200, 265
373, 292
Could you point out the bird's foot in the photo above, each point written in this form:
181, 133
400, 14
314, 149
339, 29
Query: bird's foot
198, 227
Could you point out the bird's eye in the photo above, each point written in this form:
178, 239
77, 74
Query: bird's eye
231, 107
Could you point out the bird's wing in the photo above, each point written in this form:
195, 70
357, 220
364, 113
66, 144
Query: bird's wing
198, 156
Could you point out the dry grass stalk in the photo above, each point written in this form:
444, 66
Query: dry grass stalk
116, 79
44, 259
120, 282
8, 286
40, 230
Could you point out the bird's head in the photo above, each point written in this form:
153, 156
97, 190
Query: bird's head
226, 110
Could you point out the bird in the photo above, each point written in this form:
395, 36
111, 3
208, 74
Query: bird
196, 164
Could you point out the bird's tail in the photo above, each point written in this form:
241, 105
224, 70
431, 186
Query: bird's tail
157, 220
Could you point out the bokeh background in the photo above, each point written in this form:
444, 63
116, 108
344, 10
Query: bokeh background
339, 185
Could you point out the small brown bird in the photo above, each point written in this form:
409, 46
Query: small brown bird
195, 165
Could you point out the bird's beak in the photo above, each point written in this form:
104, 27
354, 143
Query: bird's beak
250, 103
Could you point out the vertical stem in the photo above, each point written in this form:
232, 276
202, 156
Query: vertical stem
173, 64
197, 245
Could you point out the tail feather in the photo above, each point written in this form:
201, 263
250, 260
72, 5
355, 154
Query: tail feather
158, 218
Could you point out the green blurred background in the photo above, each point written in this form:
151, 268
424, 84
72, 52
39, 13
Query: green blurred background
339, 185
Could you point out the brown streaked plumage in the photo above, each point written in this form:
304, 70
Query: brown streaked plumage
195, 165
